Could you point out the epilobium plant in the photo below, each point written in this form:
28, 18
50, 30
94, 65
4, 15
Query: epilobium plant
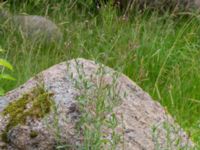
4, 64
96, 102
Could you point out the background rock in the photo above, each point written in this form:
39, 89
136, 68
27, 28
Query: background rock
33, 27
37, 27
142, 122
197, 3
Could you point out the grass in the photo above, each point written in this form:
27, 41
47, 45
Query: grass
158, 52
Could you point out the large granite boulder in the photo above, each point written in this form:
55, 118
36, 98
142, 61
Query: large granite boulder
79, 102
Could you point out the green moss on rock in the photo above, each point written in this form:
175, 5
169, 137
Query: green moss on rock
33, 134
39, 103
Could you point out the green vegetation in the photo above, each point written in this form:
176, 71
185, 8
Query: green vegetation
4, 64
18, 112
95, 106
160, 52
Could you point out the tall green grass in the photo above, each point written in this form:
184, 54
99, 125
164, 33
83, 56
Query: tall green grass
159, 52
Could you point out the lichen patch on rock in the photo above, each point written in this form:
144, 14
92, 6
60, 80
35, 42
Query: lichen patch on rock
35, 104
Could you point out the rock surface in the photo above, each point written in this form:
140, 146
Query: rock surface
33, 27
142, 122
37, 27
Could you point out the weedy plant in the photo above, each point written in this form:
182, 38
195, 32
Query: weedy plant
96, 102
4, 64
172, 138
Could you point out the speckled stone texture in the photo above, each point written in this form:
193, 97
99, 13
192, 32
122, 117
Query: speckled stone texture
143, 123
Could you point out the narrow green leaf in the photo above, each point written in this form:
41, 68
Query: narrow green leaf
1, 50
6, 64
6, 77
2, 92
